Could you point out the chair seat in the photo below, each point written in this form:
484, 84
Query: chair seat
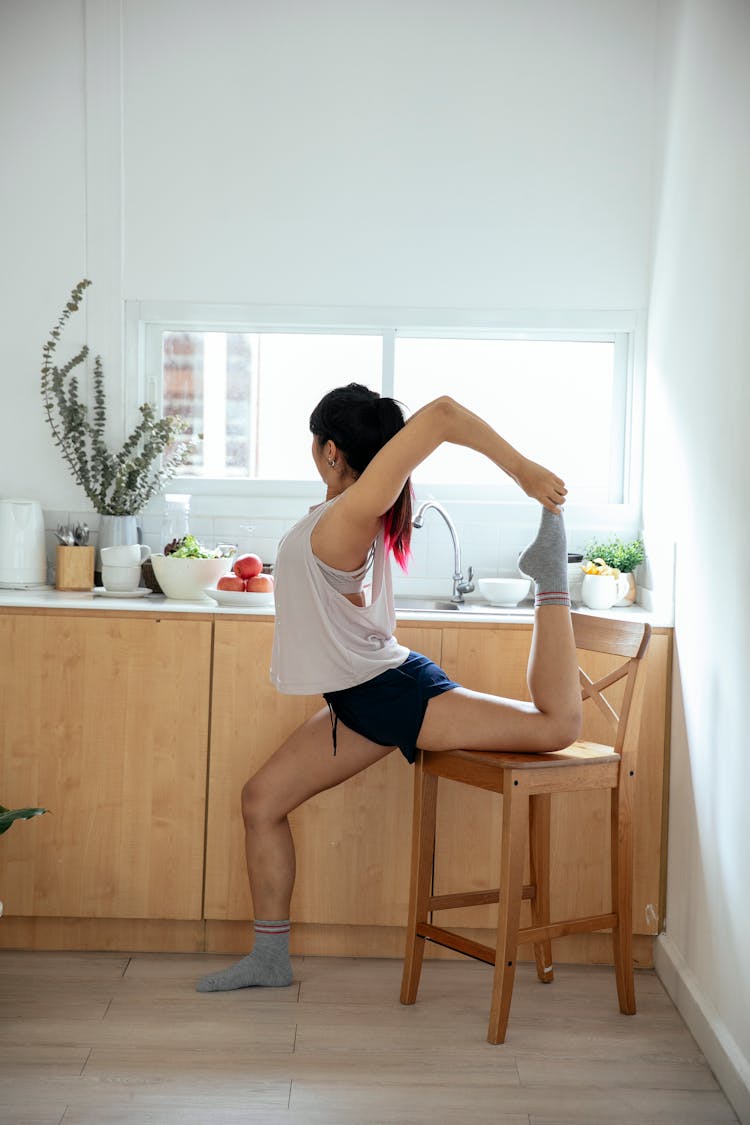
577, 754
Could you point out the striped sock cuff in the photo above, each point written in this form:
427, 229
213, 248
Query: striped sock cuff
272, 928
551, 597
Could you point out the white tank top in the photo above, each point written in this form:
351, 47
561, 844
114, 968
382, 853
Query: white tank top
322, 641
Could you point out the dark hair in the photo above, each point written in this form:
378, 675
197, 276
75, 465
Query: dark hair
360, 422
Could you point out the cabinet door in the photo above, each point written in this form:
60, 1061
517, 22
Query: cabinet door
352, 842
494, 660
105, 722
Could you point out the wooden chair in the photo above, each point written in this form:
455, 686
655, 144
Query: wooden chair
527, 782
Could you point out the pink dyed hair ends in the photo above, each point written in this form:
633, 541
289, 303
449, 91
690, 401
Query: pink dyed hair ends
397, 527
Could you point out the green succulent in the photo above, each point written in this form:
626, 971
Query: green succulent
117, 484
624, 556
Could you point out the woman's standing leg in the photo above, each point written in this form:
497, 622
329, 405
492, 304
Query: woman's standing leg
303, 766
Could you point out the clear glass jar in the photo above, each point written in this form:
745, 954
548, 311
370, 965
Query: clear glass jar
175, 522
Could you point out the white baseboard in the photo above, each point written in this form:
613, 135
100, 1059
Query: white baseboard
731, 1067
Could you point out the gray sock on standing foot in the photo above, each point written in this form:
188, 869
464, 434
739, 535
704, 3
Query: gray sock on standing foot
546, 561
267, 966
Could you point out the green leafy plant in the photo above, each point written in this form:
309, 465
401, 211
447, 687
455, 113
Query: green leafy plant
117, 484
9, 816
624, 556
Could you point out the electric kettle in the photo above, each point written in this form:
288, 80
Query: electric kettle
23, 555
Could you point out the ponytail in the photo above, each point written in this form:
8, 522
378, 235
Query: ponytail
397, 520
360, 422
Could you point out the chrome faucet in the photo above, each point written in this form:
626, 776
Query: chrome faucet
461, 585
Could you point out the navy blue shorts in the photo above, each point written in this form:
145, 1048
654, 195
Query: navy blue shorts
390, 708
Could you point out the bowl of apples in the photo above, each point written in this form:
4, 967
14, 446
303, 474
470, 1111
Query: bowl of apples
246, 584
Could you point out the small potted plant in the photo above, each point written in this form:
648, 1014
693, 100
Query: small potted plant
617, 555
119, 485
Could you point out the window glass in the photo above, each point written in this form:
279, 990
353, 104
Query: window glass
251, 395
563, 402
553, 400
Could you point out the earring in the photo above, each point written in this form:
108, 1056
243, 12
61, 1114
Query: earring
331, 463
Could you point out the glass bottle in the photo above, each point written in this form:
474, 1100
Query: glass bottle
175, 522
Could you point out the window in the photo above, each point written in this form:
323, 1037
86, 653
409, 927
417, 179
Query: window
251, 394
563, 395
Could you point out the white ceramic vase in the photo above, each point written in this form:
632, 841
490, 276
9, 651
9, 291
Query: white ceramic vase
115, 531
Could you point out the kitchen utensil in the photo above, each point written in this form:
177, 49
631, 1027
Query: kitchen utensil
23, 553
121, 577
601, 591
240, 599
81, 534
65, 535
140, 592
186, 579
127, 554
504, 591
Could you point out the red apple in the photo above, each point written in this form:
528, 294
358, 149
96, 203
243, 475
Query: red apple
247, 566
260, 584
230, 582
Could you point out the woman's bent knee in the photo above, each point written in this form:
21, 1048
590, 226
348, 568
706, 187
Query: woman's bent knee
565, 730
258, 804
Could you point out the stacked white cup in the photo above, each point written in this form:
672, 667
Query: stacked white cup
121, 566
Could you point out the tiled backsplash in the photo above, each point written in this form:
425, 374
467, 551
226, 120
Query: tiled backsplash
491, 535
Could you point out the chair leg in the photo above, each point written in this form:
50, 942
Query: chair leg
622, 893
539, 853
422, 854
514, 834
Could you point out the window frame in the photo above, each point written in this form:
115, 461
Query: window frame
146, 320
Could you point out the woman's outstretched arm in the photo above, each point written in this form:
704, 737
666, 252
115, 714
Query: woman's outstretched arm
353, 521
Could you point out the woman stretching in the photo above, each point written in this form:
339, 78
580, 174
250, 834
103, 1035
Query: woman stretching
334, 635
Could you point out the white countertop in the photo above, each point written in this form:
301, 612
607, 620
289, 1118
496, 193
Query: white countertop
475, 611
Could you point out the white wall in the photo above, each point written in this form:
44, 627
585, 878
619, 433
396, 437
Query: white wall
482, 155
392, 153
697, 469
42, 203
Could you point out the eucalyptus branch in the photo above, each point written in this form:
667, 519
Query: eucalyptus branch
119, 483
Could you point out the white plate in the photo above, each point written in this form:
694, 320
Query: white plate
140, 592
241, 598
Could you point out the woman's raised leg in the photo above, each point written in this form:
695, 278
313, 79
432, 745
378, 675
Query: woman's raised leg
303, 766
471, 720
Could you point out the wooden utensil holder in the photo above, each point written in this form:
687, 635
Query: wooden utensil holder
75, 568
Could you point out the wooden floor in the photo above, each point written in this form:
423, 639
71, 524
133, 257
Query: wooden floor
94, 1039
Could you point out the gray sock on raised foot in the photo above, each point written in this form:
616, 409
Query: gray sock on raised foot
546, 561
267, 966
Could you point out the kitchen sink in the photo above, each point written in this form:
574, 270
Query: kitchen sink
427, 605
445, 605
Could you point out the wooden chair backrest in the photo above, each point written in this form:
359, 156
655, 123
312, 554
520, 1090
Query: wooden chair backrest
616, 638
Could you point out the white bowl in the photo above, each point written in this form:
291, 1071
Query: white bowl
185, 580
504, 591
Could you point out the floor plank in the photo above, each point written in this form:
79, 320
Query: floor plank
112, 1039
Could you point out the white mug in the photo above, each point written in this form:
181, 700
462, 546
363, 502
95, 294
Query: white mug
601, 591
121, 577
130, 554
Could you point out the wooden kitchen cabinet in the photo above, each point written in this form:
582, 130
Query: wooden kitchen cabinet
138, 732
105, 722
